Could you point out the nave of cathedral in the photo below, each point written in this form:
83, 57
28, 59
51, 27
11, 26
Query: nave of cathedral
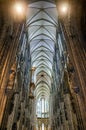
42, 65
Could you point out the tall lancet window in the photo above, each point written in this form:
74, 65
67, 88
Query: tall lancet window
42, 108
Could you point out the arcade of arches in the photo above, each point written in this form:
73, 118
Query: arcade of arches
43, 65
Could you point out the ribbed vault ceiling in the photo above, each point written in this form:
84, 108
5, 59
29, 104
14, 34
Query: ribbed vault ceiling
42, 24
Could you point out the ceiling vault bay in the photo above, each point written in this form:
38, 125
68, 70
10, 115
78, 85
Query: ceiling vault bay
42, 25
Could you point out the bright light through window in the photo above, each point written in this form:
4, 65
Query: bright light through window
43, 105
42, 108
42, 126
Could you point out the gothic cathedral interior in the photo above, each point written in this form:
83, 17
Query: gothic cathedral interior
42, 64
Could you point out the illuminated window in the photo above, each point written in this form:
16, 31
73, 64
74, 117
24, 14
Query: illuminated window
42, 108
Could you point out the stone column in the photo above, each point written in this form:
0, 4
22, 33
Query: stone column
69, 111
